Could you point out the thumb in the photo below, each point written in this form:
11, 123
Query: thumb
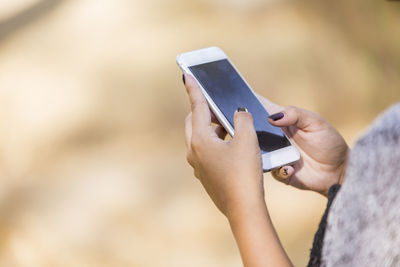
244, 126
302, 119
283, 174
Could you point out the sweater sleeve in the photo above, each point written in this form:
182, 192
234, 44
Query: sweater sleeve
316, 251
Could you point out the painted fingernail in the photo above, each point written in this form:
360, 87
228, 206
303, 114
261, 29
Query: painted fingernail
276, 116
241, 109
183, 79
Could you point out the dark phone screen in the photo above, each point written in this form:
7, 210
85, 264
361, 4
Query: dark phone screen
229, 91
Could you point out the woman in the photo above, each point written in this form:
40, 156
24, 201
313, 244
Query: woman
231, 173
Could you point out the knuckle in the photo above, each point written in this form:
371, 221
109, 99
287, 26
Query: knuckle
196, 143
198, 103
319, 120
189, 159
290, 109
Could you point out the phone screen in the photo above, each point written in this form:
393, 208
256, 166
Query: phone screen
229, 92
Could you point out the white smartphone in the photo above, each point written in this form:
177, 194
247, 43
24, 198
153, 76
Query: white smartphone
225, 91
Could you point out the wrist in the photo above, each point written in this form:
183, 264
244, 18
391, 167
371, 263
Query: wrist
255, 235
340, 176
245, 208
246, 195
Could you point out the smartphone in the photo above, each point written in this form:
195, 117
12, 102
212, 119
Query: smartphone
225, 90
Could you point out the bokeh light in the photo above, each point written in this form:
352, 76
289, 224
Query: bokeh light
92, 154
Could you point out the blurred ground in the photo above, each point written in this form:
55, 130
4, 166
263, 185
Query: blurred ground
92, 158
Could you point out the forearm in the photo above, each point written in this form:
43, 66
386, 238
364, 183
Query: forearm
255, 235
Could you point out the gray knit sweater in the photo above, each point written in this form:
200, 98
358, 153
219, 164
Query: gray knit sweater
363, 226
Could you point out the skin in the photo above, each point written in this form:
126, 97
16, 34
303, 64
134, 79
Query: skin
231, 170
323, 151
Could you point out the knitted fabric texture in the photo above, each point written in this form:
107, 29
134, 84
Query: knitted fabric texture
316, 251
364, 219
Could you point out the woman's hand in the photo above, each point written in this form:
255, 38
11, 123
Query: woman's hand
323, 151
231, 173
230, 170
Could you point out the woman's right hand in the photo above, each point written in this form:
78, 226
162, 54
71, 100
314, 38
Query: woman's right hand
323, 151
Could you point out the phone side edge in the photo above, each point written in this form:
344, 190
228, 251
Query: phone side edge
214, 108
281, 157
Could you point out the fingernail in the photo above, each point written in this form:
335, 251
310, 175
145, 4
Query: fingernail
285, 171
183, 79
276, 116
241, 109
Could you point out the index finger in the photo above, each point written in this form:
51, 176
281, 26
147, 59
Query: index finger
270, 106
201, 116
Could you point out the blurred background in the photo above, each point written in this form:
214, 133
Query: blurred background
92, 155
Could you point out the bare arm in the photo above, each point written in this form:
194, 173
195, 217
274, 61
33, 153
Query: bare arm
255, 235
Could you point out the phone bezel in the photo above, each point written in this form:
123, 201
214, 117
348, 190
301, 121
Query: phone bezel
271, 160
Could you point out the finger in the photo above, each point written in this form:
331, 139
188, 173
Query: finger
294, 116
220, 132
201, 117
188, 131
188, 139
271, 107
244, 126
283, 174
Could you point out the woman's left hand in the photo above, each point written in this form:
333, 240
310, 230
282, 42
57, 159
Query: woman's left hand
230, 170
